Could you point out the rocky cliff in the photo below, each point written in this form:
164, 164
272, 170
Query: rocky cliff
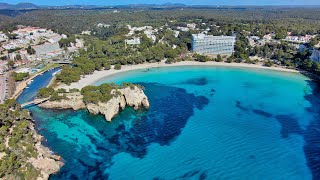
74, 101
46, 162
128, 96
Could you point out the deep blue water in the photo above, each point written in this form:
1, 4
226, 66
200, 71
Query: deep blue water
40, 81
203, 123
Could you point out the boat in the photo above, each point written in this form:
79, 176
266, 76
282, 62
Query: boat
30, 82
53, 74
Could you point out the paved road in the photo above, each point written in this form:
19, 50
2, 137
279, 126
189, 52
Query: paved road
3, 86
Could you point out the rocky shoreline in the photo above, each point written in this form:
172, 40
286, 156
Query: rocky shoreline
127, 96
46, 162
22, 155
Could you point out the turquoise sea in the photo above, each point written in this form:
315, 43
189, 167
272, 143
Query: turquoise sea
203, 123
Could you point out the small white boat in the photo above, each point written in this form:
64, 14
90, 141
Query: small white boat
53, 74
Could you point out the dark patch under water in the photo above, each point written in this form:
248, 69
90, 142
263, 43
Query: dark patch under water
262, 113
289, 125
312, 133
170, 110
197, 81
240, 106
255, 111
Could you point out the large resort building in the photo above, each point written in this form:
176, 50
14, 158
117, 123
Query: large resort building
209, 44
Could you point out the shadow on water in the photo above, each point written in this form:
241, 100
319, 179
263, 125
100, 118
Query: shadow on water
312, 133
132, 132
289, 125
196, 81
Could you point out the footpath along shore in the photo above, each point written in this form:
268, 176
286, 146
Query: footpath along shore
24, 84
98, 75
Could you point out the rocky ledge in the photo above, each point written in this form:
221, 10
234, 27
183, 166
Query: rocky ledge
119, 98
46, 162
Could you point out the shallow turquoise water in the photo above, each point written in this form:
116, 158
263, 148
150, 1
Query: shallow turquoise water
204, 123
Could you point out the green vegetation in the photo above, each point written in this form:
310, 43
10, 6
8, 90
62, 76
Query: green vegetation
219, 58
107, 66
53, 95
268, 63
256, 20
16, 142
314, 41
230, 59
201, 58
117, 66
56, 96
91, 94
18, 57
20, 76
45, 92
74, 90
10, 64
67, 42
102, 93
95, 94
30, 50
108, 46
101, 54
13, 50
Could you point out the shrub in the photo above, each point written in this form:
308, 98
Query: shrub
169, 61
201, 58
45, 92
238, 60
229, 59
117, 66
61, 90
268, 63
107, 66
74, 90
219, 58
19, 76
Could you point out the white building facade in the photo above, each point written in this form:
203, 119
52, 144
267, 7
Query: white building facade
209, 44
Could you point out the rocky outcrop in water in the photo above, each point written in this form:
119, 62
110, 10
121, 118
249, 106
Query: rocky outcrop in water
128, 96
135, 97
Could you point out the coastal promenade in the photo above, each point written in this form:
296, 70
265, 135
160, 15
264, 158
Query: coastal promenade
23, 85
98, 75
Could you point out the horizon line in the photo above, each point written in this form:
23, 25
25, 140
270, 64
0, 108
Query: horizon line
168, 4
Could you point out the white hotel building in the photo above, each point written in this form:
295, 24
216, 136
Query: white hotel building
209, 44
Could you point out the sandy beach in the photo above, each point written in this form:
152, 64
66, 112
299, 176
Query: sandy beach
98, 75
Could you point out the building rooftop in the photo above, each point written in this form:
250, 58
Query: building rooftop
204, 36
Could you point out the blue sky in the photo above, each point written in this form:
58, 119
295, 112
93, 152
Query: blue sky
190, 2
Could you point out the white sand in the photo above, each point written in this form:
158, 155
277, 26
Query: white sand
98, 75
